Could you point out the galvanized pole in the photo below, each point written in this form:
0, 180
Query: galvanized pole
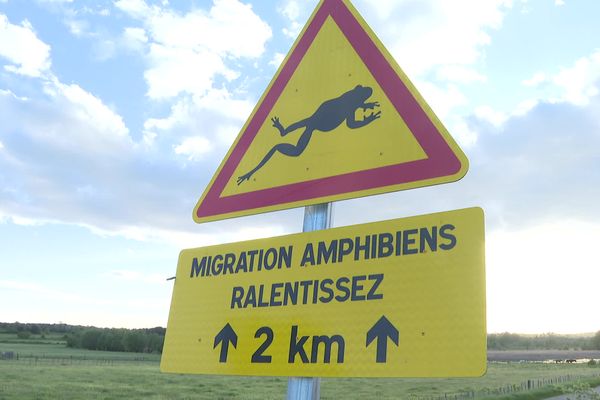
316, 217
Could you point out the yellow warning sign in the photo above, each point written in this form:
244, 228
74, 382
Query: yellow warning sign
335, 117
339, 120
399, 298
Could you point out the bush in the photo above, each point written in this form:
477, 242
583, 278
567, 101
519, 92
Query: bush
73, 340
581, 391
592, 362
132, 340
24, 334
596, 341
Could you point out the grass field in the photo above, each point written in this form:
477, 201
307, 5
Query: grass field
60, 351
52, 371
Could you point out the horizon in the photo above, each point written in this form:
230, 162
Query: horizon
578, 334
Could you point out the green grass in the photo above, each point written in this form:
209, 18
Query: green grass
53, 350
37, 339
551, 391
53, 371
499, 375
124, 382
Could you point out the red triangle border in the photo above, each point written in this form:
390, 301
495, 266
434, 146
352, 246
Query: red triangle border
441, 160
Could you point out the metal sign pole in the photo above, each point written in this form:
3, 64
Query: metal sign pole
316, 217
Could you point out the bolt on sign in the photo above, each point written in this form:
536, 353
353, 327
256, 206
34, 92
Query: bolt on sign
339, 120
399, 298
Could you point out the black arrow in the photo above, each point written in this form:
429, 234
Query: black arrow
225, 336
382, 330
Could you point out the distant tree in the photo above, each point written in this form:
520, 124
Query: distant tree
155, 343
34, 329
23, 334
158, 330
90, 338
73, 340
117, 341
109, 339
596, 341
135, 341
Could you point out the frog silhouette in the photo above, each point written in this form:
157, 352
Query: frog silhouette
328, 116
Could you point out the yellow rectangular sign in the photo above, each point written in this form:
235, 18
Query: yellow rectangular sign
399, 298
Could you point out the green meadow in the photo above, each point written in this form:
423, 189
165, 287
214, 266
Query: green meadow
47, 369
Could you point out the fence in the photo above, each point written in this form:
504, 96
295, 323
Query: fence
529, 384
526, 385
34, 359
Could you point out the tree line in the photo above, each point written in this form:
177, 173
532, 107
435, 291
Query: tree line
130, 340
151, 340
547, 341
92, 338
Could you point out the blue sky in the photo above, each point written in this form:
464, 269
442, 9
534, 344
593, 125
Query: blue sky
115, 114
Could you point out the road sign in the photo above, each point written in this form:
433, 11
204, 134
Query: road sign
399, 298
339, 120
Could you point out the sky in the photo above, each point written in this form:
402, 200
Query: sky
114, 116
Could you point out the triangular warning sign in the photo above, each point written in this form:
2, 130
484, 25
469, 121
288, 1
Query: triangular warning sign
339, 120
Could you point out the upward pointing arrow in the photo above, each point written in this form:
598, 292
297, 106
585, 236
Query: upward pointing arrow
382, 330
225, 336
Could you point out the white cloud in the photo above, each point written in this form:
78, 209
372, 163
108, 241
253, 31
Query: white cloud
551, 270
292, 10
21, 46
105, 130
221, 101
66, 117
136, 276
576, 84
277, 59
216, 116
176, 70
194, 147
105, 49
135, 39
184, 111
67, 154
222, 232
459, 74
77, 27
217, 31
580, 82
536, 79
24, 221
487, 113
524, 107
425, 35
135, 8
188, 51
1, 146
464, 135
442, 99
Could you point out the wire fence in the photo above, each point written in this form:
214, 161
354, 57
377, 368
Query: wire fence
504, 390
34, 359
529, 384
